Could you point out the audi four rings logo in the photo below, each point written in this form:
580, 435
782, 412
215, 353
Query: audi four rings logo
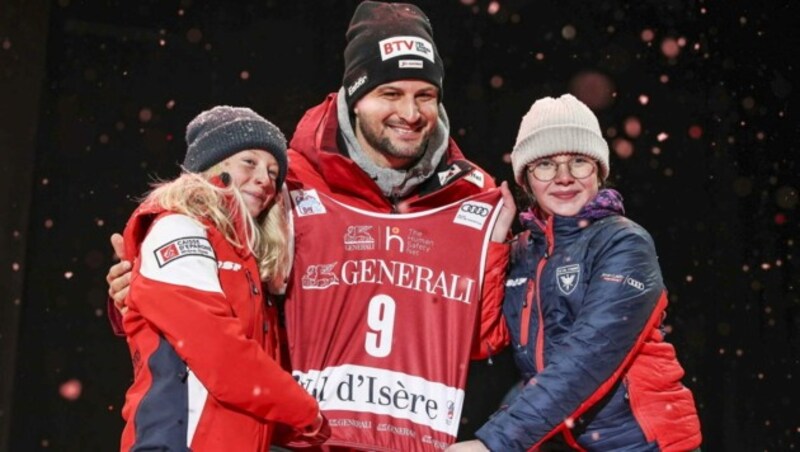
477, 210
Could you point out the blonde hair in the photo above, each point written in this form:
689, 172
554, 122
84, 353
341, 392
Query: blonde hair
266, 236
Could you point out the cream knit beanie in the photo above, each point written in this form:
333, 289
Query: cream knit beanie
557, 126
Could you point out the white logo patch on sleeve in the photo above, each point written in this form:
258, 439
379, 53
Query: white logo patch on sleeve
187, 246
170, 240
476, 177
635, 283
516, 282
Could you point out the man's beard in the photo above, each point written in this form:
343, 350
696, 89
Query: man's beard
385, 146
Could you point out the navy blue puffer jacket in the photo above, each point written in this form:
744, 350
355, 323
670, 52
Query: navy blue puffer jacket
584, 304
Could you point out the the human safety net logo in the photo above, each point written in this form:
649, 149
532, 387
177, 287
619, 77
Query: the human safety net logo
370, 390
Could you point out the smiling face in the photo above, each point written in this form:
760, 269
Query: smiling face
564, 195
254, 172
395, 120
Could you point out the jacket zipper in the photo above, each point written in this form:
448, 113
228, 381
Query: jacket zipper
253, 291
526, 312
633, 402
533, 292
539, 350
490, 351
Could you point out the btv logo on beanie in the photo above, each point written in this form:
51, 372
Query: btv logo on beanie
405, 45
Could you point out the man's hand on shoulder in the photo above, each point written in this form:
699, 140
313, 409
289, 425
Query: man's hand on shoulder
119, 275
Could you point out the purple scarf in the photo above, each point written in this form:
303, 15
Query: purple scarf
607, 202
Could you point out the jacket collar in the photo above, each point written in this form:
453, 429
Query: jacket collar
318, 140
395, 183
606, 203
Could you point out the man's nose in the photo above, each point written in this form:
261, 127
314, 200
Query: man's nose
408, 110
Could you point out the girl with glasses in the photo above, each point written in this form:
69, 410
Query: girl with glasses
585, 304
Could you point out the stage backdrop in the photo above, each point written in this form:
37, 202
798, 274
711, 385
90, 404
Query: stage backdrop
698, 100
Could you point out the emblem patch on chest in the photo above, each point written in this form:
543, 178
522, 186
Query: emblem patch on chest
567, 278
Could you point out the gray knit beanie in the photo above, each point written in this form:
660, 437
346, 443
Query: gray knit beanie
557, 126
222, 131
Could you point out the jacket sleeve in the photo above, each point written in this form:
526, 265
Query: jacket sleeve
492, 332
180, 296
606, 334
114, 318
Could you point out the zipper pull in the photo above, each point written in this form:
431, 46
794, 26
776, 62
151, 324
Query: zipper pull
529, 290
253, 287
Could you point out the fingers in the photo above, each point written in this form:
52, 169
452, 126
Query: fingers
506, 217
119, 280
314, 428
119, 294
467, 446
117, 270
119, 300
508, 197
118, 243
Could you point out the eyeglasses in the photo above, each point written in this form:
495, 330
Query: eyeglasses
545, 170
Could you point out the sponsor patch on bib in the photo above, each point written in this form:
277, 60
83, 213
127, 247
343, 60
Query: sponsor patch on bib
307, 202
473, 214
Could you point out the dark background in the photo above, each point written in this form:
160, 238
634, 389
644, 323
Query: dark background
95, 96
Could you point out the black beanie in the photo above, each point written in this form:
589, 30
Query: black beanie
387, 42
222, 131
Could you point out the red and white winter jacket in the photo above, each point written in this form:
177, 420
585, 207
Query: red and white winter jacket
203, 342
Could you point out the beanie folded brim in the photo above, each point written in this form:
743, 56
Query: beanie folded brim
559, 139
218, 143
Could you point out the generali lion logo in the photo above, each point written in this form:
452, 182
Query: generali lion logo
358, 238
320, 276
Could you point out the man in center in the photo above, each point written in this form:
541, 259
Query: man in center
380, 322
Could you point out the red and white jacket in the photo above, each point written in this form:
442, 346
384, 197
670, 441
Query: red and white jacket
204, 344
